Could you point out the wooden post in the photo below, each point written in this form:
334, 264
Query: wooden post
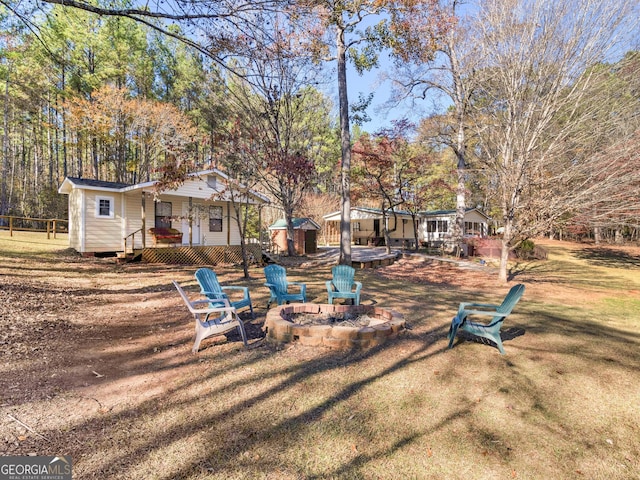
143, 218
228, 224
11, 226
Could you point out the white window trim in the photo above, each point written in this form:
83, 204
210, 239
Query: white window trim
111, 206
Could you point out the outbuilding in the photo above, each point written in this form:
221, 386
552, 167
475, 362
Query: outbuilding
305, 235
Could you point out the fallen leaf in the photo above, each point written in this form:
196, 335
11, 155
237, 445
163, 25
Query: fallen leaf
429, 452
354, 448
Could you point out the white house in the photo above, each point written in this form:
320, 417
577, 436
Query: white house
367, 228
114, 217
434, 228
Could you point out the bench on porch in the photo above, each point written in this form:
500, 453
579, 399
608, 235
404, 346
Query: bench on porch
165, 235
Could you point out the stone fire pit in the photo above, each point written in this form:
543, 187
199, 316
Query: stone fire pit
336, 326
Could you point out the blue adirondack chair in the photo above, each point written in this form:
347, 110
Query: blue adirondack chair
278, 284
211, 320
491, 330
211, 288
342, 284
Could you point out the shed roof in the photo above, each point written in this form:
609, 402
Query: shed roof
298, 223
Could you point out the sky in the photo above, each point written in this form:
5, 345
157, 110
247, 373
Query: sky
370, 82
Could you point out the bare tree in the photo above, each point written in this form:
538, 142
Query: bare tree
283, 122
447, 73
536, 80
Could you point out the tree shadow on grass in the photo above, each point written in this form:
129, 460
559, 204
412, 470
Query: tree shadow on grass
608, 257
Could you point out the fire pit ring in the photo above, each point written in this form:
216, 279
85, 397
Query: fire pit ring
280, 326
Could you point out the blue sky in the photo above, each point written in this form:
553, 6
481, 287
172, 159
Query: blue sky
370, 82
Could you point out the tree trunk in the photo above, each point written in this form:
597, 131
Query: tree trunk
345, 137
507, 237
4, 207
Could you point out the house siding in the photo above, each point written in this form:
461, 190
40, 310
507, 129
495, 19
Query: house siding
75, 219
102, 234
133, 219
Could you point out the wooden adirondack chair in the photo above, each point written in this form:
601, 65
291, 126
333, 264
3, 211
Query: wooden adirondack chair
342, 284
278, 285
212, 320
491, 330
210, 287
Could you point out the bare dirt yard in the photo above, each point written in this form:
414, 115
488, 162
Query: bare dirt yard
96, 363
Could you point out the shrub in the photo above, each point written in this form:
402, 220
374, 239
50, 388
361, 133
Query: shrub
528, 250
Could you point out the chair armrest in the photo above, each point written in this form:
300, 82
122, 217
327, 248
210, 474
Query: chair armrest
226, 308
271, 287
214, 295
481, 312
465, 305
358, 286
303, 286
244, 290
329, 284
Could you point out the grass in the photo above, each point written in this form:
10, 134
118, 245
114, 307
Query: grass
562, 403
32, 244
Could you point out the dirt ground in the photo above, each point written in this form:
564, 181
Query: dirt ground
68, 322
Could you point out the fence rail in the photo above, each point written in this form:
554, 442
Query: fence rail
26, 224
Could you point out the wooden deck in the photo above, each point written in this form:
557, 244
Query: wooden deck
361, 257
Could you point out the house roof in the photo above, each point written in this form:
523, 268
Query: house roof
89, 184
441, 213
359, 213
298, 223
71, 182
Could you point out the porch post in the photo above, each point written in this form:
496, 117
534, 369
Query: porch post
228, 224
143, 216
190, 217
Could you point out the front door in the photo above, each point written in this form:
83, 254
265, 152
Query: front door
195, 225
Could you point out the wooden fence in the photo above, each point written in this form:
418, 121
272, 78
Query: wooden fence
27, 224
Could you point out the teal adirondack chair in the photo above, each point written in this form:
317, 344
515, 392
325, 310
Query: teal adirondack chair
211, 288
276, 277
342, 284
210, 319
491, 330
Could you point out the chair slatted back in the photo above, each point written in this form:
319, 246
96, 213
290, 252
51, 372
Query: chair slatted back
277, 275
208, 280
511, 299
343, 276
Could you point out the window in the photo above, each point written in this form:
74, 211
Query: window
104, 207
215, 218
163, 214
441, 226
356, 226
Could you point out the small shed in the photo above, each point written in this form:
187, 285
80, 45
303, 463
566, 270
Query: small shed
305, 235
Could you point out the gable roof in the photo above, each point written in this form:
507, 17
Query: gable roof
89, 184
298, 223
71, 182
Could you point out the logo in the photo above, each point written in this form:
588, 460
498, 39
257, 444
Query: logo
35, 468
